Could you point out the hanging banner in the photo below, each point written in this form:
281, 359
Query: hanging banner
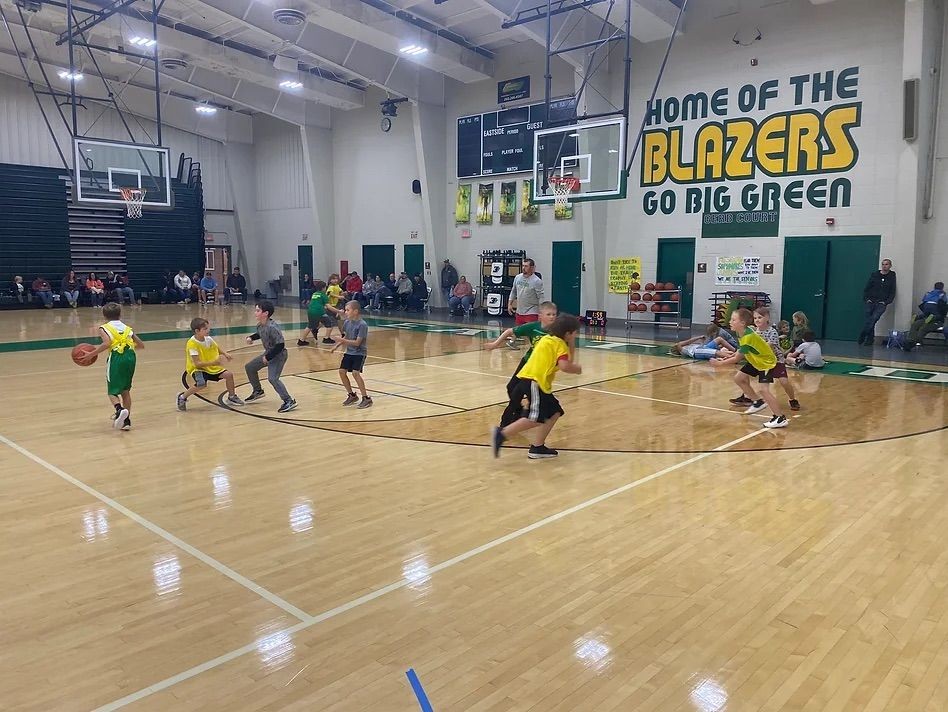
622, 272
737, 271
508, 202
462, 206
529, 211
485, 204
513, 89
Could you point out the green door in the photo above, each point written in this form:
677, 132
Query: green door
304, 263
414, 260
805, 263
851, 260
378, 259
676, 263
567, 278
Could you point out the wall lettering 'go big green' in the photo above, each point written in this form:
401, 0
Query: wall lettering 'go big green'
727, 146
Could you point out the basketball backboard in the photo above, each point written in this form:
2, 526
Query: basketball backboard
103, 168
591, 153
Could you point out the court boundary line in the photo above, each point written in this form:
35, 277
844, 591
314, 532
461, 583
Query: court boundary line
404, 582
670, 402
147, 524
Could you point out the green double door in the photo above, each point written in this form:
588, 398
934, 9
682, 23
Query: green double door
824, 277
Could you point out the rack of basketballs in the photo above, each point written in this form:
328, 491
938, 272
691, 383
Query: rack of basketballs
658, 298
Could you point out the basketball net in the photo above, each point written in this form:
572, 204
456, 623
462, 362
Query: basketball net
562, 187
133, 201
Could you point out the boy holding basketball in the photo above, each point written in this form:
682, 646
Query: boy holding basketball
532, 404
120, 341
274, 359
533, 331
355, 338
761, 362
202, 361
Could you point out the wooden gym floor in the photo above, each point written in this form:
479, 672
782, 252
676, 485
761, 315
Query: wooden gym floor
676, 556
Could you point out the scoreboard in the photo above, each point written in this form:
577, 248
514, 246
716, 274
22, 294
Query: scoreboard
501, 142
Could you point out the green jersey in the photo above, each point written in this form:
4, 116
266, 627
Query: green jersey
531, 330
317, 304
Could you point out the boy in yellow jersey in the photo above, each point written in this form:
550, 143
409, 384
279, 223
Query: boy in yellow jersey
202, 361
761, 363
120, 341
335, 294
532, 330
532, 403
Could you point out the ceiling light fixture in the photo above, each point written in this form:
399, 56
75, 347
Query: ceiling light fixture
413, 50
205, 109
143, 41
74, 76
290, 84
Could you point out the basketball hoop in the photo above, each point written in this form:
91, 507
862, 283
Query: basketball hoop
133, 201
562, 186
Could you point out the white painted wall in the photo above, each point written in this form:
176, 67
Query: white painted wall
25, 139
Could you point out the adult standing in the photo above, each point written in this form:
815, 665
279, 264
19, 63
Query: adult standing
449, 278
526, 294
877, 295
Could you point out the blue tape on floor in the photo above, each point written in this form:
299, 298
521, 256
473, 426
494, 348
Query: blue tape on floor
419, 691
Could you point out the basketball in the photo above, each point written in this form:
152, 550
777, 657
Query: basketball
656, 307
81, 349
666, 307
675, 296
636, 286
668, 285
633, 307
635, 296
649, 287
647, 297
642, 307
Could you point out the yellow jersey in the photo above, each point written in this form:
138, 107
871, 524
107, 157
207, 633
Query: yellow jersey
121, 335
203, 352
334, 291
544, 361
756, 351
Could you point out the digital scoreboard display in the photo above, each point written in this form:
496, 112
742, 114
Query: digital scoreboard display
501, 142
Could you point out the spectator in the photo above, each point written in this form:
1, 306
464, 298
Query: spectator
380, 291
462, 296
354, 286
96, 289
236, 284
808, 355
931, 314
70, 288
306, 289
166, 289
183, 284
122, 289
208, 288
369, 289
403, 289
878, 293
43, 290
449, 278
196, 287
419, 294
20, 291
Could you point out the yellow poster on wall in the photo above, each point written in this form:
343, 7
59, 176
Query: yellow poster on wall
622, 270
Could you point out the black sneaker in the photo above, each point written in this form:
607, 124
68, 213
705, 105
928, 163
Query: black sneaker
255, 396
351, 399
287, 406
128, 423
300, 342
366, 403
327, 340
541, 452
496, 440
741, 400
794, 404
121, 416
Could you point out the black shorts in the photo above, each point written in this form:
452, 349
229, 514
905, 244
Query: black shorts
762, 376
528, 400
352, 362
779, 371
512, 383
316, 321
202, 377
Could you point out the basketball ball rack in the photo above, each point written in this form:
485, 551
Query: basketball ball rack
654, 300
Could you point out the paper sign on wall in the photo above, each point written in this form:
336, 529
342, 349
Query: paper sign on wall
621, 270
737, 271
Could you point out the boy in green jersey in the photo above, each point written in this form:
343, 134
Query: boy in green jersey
316, 315
533, 331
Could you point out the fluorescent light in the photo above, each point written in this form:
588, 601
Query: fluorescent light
205, 109
574, 135
74, 76
612, 150
291, 85
143, 41
413, 50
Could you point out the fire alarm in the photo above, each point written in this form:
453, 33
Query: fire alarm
830, 221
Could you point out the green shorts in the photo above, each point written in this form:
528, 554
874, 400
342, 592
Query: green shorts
120, 371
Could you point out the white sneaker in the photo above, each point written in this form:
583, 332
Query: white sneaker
755, 407
120, 419
778, 421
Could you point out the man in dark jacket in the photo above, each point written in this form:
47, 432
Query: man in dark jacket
878, 294
449, 278
236, 284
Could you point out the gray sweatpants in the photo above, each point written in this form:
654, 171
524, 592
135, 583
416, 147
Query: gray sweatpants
274, 369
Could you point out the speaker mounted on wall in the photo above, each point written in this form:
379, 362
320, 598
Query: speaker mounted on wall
910, 109
416, 187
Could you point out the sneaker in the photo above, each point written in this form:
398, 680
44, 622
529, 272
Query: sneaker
366, 403
182, 402
741, 400
496, 440
327, 340
287, 406
512, 344
121, 415
300, 342
755, 407
778, 421
255, 396
235, 400
127, 425
541, 452
351, 399
794, 404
